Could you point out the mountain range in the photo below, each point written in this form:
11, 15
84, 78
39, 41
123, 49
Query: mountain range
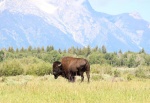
66, 23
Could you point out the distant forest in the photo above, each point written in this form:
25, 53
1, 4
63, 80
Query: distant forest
95, 55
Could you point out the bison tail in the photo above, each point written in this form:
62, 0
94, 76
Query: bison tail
87, 66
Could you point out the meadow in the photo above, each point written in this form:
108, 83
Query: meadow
45, 89
115, 77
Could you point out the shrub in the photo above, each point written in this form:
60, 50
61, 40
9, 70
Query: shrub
30, 65
96, 58
11, 68
43, 69
30, 70
39, 69
140, 73
117, 73
96, 77
35, 66
101, 69
130, 77
143, 72
1, 55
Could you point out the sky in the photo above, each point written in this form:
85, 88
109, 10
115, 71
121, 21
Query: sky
115, 7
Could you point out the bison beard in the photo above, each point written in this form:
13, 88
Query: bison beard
70, 67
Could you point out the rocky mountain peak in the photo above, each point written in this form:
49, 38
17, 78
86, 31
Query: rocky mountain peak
65, 23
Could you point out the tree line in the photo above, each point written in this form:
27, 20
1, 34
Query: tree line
96, 55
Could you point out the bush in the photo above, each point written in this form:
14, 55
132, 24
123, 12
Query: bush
96, 77
1, 55
117, 73
39, 69
11, 68
30, 70
30, 65
130, 77
143, 72
96, 58
101, 69
140, 73
43, 69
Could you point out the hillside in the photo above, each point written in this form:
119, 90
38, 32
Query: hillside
69, 23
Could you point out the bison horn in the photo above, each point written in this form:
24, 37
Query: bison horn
59, 65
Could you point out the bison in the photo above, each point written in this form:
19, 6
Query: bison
69, 67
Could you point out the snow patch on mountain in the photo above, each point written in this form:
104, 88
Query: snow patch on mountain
149, 26
78, 2
44, 5
2, 5
69, 22
119, 23
139, 36
135, 15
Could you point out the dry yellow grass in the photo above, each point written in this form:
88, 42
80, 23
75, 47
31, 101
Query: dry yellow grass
30, 89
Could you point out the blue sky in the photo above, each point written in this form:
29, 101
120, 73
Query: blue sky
115, 7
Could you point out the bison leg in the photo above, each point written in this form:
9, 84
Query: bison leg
82, 76
73, 78
69, 77
88, 75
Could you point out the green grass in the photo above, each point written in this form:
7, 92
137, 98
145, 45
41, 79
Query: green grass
31, 89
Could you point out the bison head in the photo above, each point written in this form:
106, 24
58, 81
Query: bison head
57, 69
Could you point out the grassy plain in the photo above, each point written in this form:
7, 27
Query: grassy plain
33, 89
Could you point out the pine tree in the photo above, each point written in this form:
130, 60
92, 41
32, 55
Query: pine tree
1, 55
42, 49
22, 49
17, 50
29, 48
142, 50
120, 52
39, 50
49, 48
11, 49
64, 51
104, 49
95, 49
59, 50
71, 50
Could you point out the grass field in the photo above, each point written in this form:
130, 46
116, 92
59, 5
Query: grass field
32, 89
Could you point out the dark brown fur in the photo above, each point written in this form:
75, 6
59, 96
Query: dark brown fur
70, 67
